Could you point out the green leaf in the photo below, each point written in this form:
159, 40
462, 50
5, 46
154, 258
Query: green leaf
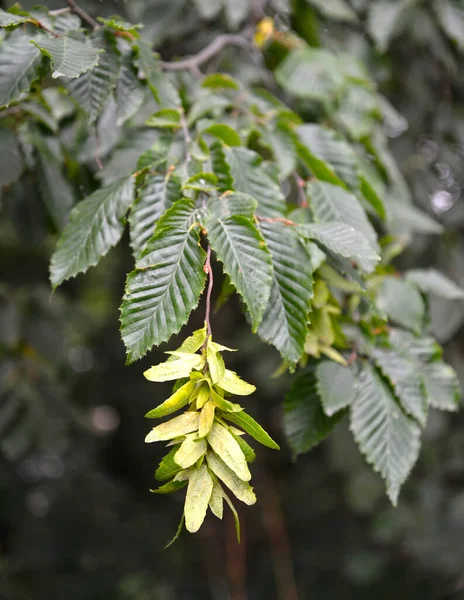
228, 449
241, 489
242, 250
19, 64
11, 160
168, 468
221, 167
311, 73
178, 532
253, 428
420, 348
233, 203
166, 286
220, 80
225, 133
232, 383
167, 118
163, 90
170, 487
95, 225
69, 57
8, 19
441, 386
405, 379
372, 197
236, 11
389, 439
250, 177
216, 502
224, 404
451, 16
332, 203
431, 281
235, 515
305, 423
129, 93
201, 182
176, 427
91, 90
200, 487
408, 217
206, 418
283, 142
286, 318
385, 19
179, 399
343, 240
117, 24
193, 343
336, 386
402, 302
339, 10
158, 193
335, 153
208, 9
175, 369
247, 450
216, 364
191, 450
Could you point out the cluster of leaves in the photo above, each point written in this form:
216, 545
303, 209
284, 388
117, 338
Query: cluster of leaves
206, 448
299, 205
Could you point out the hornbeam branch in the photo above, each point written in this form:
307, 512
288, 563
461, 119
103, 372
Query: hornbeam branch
80, 12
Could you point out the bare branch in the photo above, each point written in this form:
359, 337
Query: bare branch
80, 12
216, 46
59, 11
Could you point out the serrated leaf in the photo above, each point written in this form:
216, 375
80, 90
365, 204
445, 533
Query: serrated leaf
402, 302
389, 439
179, 399
431, 281
241, 489
95, 225
335, 153
242, 250
206, 418
166, 286
163, 90
232, 383
250, 177
441, 386
311, 73
336, 386
305, 423
332, 203
11, 160
176, 427
8, 19
171, 370
283, 142
343, 240
420, 348
91, 90
191, 450
216, 502
405, 378
168, 468
233, 203
224, 404
158, 193
69, 57
286, 318
129, 93
228, 449
253, 428
200, 487
19, 64
221, 168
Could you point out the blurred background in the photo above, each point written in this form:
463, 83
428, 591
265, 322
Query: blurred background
77, 520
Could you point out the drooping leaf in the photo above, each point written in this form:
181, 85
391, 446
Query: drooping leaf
166, 286
176, 427
253, 428
228, 449
206, 418
441, 386
232, 383
336, 386
224, 404
191, 450
163, 90
241, 489
175, 402
129, 93
305, 423
388, 438
168, 468
242, 250
178, 531
19, 64
431, 281
250, 177
193, 343
286, 317
95, 225
402, 302
216, 502
200, 487
158, 193
216, 364
170, 487
11, 160
283, 143
175, 369
69, 56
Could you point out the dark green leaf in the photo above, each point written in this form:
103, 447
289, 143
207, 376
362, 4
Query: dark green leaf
19, 64
402, 302
69, 57
336, 386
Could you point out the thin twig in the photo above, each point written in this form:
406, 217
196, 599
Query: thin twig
47, 29
301, 183
80, 12
277, 220
209, 272
59, 11
216, 46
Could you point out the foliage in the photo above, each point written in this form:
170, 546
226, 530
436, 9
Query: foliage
295, 192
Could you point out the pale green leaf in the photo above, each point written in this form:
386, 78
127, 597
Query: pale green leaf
191, 450
8, 19
163, 90
19, 64
216, 364
431, 281
224, 404
402, 302
179, 399
208, 9
451, 16
129, 93
206, 418
11, 160
336, 386
193, 343
388, 438
339, 10
253, 428
286, 318
225, 133
200, 487
242, 250
228, 449
385, 20
221, 167
283, 142
166, 118
232, 383
69, 57
176, 427
236, 11
441, 386
170, 370
241, 489
216, 502
95, 225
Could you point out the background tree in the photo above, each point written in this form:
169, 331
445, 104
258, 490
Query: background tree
261, 164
